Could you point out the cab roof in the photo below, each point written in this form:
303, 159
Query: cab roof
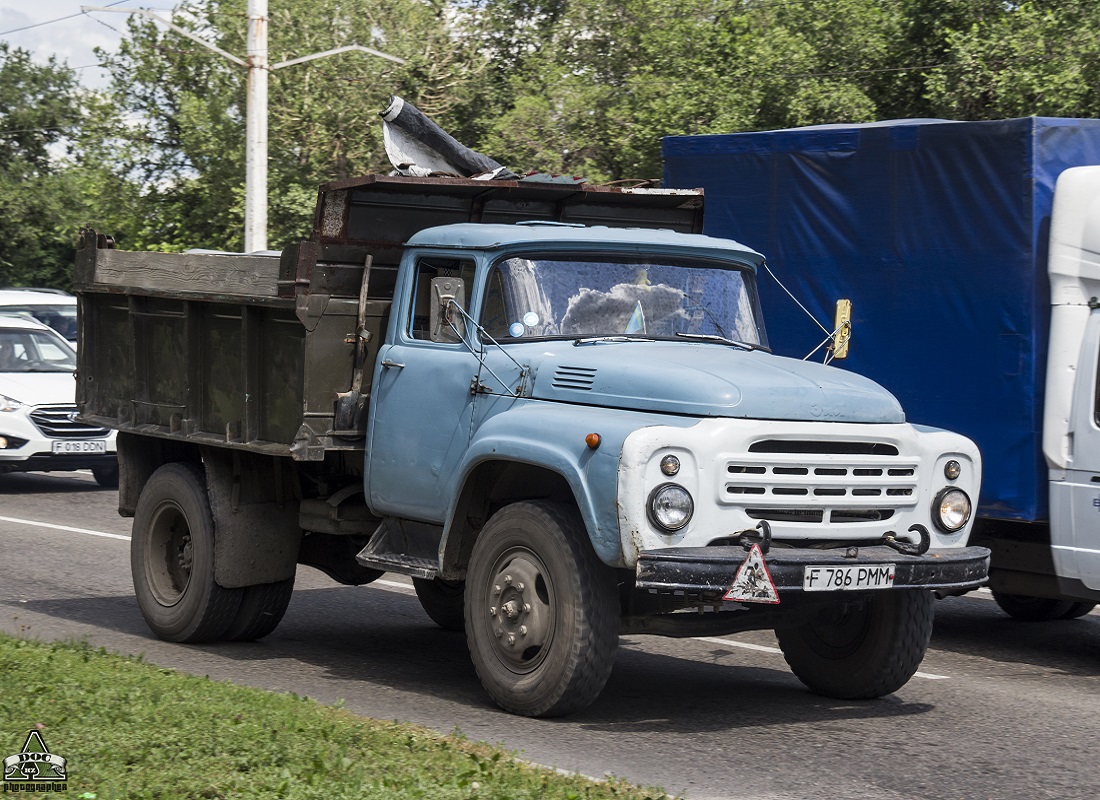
483, 236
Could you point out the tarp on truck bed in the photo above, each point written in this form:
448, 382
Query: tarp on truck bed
937, 231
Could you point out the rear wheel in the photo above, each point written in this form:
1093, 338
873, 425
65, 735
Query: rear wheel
262, 609
172, 558
853, 650
1034, 609
442, 601
542, 611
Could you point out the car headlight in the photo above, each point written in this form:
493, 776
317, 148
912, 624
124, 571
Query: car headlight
951, 510
670, 506
9, 403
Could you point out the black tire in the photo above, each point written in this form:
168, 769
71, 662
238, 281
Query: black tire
1078, 610
1033, 609
172, 559
542, 611
443, 601
262, 609
861, 651
106, 475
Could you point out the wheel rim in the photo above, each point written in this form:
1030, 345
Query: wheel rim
519, 605
171, 554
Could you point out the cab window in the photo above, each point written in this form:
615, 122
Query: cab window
427, 269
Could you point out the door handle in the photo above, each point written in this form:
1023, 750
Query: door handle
388, 363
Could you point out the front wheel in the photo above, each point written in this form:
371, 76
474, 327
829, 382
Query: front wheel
172, 558
859, 650
542, 611
1078, 610
1034, 609
106, 475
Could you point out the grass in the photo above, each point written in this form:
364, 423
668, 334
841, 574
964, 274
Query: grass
132, 730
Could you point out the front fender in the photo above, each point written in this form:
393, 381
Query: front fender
552, 436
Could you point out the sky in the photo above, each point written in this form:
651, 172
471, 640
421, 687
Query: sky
71, 40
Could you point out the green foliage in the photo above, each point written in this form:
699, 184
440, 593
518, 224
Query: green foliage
598, 84
184, 137
130, 730
1036, 58
40, 112
581, 87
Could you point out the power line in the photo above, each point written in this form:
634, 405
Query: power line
52, 21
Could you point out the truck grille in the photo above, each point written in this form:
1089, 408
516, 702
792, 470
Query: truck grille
834, 483
59, 422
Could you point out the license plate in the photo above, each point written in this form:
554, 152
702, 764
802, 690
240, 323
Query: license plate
80, 446
838, 579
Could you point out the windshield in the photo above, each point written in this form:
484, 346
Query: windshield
62, 318
656, 298
34, 351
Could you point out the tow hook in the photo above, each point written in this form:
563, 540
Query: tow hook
747, 538
907, 548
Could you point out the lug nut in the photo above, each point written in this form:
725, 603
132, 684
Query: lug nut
499, 632
522, 630
526, 608
511, 638
519, 587
496, 589
492, 611
507, 580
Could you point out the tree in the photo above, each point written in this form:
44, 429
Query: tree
41, 112
184, 140
1034, 58
595, 84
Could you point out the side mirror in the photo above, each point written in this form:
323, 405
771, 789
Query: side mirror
448, 295
843, 327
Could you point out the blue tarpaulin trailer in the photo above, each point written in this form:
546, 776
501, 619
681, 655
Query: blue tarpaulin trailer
938, 233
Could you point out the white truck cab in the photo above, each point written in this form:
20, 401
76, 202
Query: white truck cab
1071, 431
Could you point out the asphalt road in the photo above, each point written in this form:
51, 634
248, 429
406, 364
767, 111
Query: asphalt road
999, 710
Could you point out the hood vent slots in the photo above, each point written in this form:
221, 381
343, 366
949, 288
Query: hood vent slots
579, 378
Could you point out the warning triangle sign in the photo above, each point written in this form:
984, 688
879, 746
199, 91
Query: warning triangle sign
753, 583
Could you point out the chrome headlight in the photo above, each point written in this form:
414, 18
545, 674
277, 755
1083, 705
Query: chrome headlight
951, 510
9, 403
670, 506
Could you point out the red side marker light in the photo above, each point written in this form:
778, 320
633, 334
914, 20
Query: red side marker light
592, 440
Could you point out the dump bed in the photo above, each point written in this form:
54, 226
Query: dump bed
937, 231
253, 351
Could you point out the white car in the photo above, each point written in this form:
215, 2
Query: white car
39, 429
49, 306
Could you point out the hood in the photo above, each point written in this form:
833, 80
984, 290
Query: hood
39, 388
707, 380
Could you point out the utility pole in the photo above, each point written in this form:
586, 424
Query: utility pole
255, 168
257, 66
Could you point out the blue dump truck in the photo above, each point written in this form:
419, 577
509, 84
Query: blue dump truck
971, 254
553, 406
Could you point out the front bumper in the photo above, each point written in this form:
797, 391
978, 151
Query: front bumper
708, 572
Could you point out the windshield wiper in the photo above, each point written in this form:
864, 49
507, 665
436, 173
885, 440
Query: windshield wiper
710, 337
622, 337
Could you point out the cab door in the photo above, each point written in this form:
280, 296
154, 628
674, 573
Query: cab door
422, 407
1075, 502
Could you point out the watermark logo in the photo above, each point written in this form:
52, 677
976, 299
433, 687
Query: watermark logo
35, 769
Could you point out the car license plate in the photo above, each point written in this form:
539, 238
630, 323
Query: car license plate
80, 447
834, 579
